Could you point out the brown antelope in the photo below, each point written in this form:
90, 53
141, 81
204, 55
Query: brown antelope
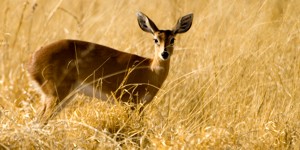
66, 66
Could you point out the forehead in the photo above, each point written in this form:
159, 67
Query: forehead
162, 34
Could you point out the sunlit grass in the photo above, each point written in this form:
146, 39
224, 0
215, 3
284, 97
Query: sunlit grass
234, 81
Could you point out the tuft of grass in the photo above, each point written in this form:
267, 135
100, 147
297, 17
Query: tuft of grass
234, 81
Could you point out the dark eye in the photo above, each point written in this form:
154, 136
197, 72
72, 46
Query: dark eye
155, 41
172, 41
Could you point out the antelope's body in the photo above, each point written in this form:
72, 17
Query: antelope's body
69, 66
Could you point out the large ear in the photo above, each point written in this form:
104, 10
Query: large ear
183, 24
145, 23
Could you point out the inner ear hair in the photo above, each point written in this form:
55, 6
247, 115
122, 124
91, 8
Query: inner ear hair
145, 23
183, 24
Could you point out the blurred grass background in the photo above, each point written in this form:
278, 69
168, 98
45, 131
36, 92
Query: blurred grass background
233, 84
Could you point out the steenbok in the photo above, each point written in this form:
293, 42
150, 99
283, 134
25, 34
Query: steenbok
70, 66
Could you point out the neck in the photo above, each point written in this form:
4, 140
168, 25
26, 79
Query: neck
160, 66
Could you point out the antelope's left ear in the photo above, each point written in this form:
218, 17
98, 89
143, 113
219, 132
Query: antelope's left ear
183, 24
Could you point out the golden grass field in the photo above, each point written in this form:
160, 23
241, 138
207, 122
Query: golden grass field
234, 81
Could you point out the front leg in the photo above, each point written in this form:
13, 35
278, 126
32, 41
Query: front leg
143, 102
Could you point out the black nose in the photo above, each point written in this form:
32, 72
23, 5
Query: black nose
165, 55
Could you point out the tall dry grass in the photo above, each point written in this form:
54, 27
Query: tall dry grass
234, 81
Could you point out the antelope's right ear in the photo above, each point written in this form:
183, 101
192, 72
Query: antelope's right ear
145, 23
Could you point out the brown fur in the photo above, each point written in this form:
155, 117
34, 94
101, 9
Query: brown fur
70, 65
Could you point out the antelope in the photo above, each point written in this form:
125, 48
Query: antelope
102, 72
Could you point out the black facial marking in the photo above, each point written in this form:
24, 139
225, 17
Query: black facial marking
165, 55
